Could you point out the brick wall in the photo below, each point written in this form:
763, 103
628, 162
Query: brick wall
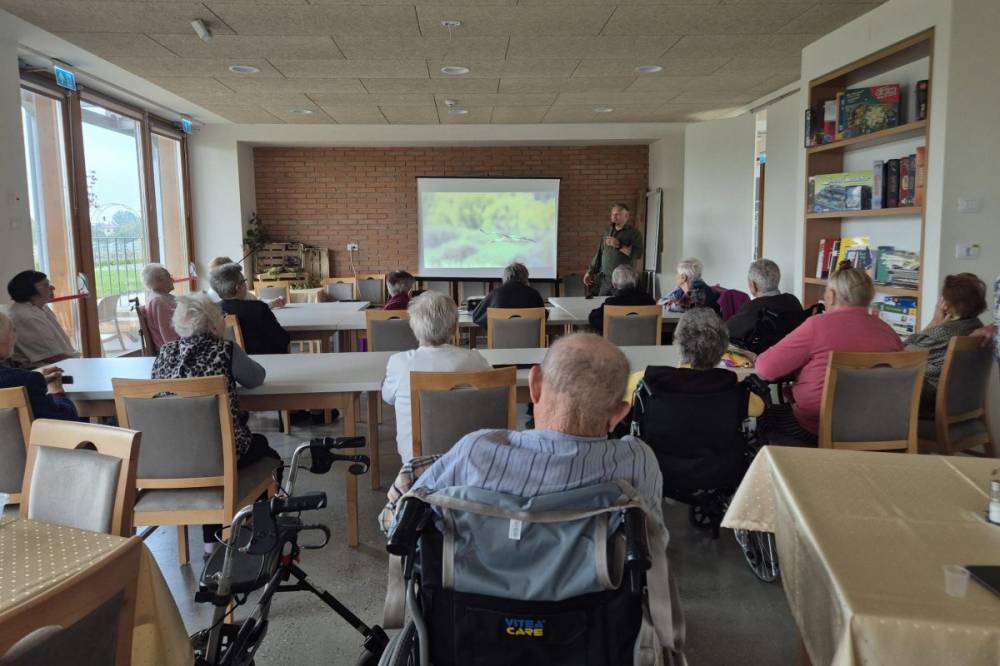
329, 197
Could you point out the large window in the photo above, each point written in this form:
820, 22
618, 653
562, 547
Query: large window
49, 203
108, 195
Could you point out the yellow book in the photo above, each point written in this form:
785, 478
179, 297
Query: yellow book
852, 242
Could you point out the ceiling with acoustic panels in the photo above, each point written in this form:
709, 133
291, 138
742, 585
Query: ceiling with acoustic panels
380, 61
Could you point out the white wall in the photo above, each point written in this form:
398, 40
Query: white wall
719, 197
666, 171
781, 185
15, 223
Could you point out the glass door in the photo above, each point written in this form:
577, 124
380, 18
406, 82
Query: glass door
171, 211
112, 145
43, 123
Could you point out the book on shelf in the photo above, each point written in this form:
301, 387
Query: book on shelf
896, 268
857, 250
878, 184
871, 109
829, 121
839, 135
891, 184
911, 185
826, 248
923, 87
813, 128
900, 312
904, 182
831, 265
920, 188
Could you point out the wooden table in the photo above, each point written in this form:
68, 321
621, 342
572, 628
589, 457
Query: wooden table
294, 381
38, 556
863, 539
318, 321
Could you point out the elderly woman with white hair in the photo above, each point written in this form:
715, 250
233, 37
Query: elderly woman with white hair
514, 292
846, 326
201, 351
432, 317
44, 386
692, 291
626, 291
160, 305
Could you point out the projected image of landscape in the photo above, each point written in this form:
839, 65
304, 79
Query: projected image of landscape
488, 229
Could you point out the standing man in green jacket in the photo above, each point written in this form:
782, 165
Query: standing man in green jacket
621, 245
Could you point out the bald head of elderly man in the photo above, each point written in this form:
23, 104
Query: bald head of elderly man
577, 391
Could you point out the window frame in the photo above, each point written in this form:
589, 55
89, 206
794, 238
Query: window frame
43, 83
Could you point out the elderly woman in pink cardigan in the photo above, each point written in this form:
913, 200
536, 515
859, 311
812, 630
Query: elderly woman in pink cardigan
160, 305
845, 326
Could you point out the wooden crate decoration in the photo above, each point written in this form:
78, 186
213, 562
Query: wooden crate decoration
304, 263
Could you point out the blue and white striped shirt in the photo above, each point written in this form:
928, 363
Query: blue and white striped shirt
538, 462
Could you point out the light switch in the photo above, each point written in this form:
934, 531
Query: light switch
969, 205
966, 251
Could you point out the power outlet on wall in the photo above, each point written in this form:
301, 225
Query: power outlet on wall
352, 247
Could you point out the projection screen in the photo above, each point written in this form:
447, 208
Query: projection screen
473, 227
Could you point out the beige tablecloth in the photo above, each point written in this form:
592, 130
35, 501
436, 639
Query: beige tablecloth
36, 556
862, 541
314, 295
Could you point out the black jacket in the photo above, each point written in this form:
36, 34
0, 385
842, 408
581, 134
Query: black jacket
742, 323
632, 296
262, 334
508, 295
43, 405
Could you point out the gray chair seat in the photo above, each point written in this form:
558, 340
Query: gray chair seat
197, 499
75, 488
957, 432
13, 456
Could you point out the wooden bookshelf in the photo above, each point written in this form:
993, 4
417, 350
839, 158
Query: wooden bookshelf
878, 212
830, 158
907, 131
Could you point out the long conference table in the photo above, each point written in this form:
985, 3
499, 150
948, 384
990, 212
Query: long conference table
317, 381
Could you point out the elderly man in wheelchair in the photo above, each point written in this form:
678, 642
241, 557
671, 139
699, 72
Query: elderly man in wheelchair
544, 546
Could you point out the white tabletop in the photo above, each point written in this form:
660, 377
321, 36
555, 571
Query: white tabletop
578, 308
345, 372
319, 316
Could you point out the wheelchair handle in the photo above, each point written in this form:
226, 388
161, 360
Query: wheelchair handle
637, 559
403, 539
338, 442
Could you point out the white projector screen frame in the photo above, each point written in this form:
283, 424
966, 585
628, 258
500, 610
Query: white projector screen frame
518, 244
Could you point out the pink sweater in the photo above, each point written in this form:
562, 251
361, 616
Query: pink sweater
159, 315
806, 349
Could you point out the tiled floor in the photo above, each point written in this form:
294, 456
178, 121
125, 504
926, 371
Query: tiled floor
732, 618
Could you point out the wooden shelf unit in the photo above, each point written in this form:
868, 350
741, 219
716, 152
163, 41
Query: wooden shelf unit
829, 158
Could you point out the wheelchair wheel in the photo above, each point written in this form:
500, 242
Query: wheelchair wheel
402, 650
698, 518
761, 554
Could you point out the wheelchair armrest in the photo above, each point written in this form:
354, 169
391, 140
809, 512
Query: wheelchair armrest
403, 540
637, 559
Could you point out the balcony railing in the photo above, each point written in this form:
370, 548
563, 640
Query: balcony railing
118, 263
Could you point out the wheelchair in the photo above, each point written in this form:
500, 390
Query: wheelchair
493, 579
262, 552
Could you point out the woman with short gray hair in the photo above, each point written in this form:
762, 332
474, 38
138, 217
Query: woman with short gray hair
262, 334
433, 316
626, 291
846, 326
702, 338
202, 351
692, 291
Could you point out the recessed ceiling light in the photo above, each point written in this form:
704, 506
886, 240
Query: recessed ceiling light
243, 69
603, 109
453, 70
301, 112
457, 111
451, 24
649, 69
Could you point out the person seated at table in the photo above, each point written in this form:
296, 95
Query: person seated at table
41, 340
262, 334
222, 261
846, 326
762, 280
44, 386
160, 306
514, 292
201, 351
433, 316
962, 300
400, 285
691, 291
625, 291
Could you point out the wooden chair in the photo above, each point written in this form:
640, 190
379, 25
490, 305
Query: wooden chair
341, 288
233, 330
962, 402
515, 328
15, 431
389, 330
270, 290
87, 619
572, 285
371, 287
442, 411
148, 346
628, 325
871, 401
187, 468
67, 484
